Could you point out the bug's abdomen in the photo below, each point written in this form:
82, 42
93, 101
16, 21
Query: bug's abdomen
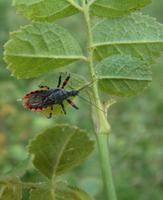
35, 100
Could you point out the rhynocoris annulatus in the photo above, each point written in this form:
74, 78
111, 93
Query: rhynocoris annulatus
38, 100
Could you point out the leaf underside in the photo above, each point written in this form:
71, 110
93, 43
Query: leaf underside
115, 8
43, 10
138, 35
123, 75
39, 48
59, 149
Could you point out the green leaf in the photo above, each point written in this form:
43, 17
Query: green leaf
68, 193
11, 193
123, 75
115, 8
39, 48
44, 10
59, 149
138, 35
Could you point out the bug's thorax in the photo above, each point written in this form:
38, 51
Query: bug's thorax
58, 95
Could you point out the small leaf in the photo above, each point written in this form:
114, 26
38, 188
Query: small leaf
138, 35
39, 48
11, 193
68, 193
115, 8
123, 75
59, 149
44, 10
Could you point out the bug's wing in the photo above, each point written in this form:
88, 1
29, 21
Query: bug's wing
36, 99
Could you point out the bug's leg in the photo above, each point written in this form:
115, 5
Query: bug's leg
59, 81
50, 114
63, 108
66, 81
72, 104
44, 86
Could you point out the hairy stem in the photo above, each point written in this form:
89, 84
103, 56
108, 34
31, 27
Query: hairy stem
101, 123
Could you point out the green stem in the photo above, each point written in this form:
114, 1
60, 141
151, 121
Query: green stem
53, 185
101, 123
102, 141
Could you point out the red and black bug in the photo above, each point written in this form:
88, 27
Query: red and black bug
38, 100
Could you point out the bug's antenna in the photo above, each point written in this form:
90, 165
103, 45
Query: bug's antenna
87, 85
92, 104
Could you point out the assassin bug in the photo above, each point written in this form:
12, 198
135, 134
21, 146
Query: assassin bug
38, 100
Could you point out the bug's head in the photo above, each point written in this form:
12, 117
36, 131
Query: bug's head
74, 93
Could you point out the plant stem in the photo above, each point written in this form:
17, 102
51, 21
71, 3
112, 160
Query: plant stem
104, 127
53, 188
101, 123
102, 141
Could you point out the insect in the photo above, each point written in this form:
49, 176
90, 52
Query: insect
38, 100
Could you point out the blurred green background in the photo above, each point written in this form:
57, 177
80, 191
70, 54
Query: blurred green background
136, 141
